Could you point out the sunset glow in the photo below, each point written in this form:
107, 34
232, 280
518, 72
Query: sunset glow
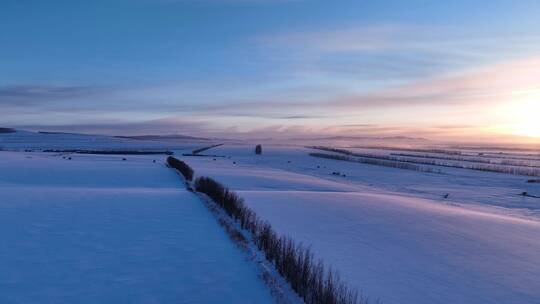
526, 117
282, 68
270, 151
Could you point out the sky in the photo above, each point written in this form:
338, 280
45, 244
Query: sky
449, 70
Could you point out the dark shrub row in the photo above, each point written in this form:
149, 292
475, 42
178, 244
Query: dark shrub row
308, 277
474, 159
425, 150
7, 130
181, 166
498, 168
197, 151
519, 163
377, 162
111, 152
525, 157
446, 157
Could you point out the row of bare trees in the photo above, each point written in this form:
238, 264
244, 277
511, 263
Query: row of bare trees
181, 166
308, 277
474, 159
377, 162
498, 168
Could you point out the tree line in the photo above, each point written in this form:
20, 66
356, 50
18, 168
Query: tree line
295, 262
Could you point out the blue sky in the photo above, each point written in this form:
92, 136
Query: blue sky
272, 68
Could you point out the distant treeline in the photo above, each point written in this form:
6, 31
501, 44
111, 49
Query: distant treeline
474, 159
496, 148
308, 277
425, 150
445, 157
7, 130
197, 151
57, 133
202, 155
501, 155
525, 157
111, 152
377, 162
498, 168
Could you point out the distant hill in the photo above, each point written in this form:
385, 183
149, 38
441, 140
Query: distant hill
16, 139
162, 137
134, 137
60, 133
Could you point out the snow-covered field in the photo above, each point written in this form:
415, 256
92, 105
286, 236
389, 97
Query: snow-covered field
99, 229
96, 229
400, 247
475, 188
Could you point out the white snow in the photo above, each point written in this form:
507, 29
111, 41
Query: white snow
463, 186
96, 229
400, 247
99, 229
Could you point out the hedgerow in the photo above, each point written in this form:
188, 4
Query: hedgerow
314, 282
181, 166
309, 277
364, 158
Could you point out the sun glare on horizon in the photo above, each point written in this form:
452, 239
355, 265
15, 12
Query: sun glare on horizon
525, 117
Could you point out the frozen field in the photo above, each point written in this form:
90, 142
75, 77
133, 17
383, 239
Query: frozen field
99, 229
385, 238
474, 188
96, 229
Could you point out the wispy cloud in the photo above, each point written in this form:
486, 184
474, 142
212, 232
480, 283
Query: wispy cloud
481, 85
357, 38
461, 100
397, 37
222, 2
391, 53
466, 91
32, 94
